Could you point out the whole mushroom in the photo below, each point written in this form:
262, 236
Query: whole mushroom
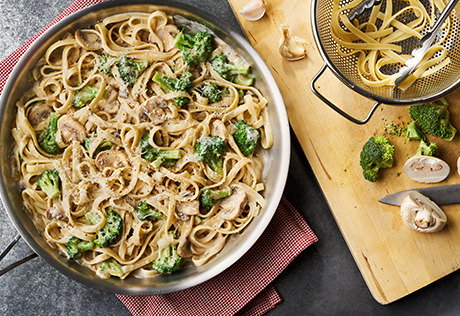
426, 169
421, 214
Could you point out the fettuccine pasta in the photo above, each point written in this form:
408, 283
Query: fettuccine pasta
377, 41
103, 143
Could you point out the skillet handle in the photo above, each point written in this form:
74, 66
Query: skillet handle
333, 106
17, 263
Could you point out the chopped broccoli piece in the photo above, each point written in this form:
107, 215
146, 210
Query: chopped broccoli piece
112, 267
76, 247
47, 138
246, 137
168, 261
377, 153
211, 92
49, 182
427, 150
208, 196
104, 145
111, 230
143, 210
93, 217
84, 95
183, 83
195, 48
433, 118
234, 73
130, 70
413, 132
211, 150
159, 157
106, 63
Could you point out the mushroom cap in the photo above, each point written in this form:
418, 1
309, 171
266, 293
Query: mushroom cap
421, 214
153, 110
71, 129
426, 169
232, 206
112, 158
39, 113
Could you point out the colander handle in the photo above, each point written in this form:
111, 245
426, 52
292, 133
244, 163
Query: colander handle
333, 106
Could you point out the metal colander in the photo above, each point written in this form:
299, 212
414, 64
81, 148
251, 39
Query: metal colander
423, 90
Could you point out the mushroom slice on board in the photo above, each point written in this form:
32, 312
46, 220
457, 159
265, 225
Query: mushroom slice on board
421, 214
426, 169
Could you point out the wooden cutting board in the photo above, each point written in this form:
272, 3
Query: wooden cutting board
393, 260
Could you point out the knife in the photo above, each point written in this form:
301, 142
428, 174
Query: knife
444, 194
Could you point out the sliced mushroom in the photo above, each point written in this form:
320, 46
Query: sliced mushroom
421, 214
71, 129
188, 207
55, 212
39, 113
153, 109
167, 34
110, 104
112, 158
426, 169
291, 48
218, 129
233, 205
88, 39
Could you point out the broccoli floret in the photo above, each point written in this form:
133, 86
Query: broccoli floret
143, 210
195, 48
106, 63
76, 247
246, 137
130, 70
168, 261
111, 230
49, 182
159, 157
234, 73
93, 217
104, 145
84, 95
47, 138
433, 118
211, 150
183, 83
211, 92
427, 150
377, 153
112, 267
208, 196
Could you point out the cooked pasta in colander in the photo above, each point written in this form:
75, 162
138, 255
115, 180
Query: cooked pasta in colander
136, 148
379, 40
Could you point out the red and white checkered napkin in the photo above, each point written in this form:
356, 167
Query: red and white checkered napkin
245, 287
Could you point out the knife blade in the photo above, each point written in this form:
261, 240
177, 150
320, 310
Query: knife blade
444, 194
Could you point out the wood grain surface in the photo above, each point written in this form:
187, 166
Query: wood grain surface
393, 260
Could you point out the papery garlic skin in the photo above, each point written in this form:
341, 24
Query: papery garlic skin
254, 10
291, 48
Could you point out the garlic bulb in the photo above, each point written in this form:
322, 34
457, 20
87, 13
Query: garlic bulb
421, 214
254, 10
291, 48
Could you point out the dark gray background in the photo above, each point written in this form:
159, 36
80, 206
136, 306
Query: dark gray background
323, 280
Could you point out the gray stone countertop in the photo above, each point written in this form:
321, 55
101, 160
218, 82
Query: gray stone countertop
323, 280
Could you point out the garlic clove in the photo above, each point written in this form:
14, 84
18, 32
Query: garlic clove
254, 10
291, 48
